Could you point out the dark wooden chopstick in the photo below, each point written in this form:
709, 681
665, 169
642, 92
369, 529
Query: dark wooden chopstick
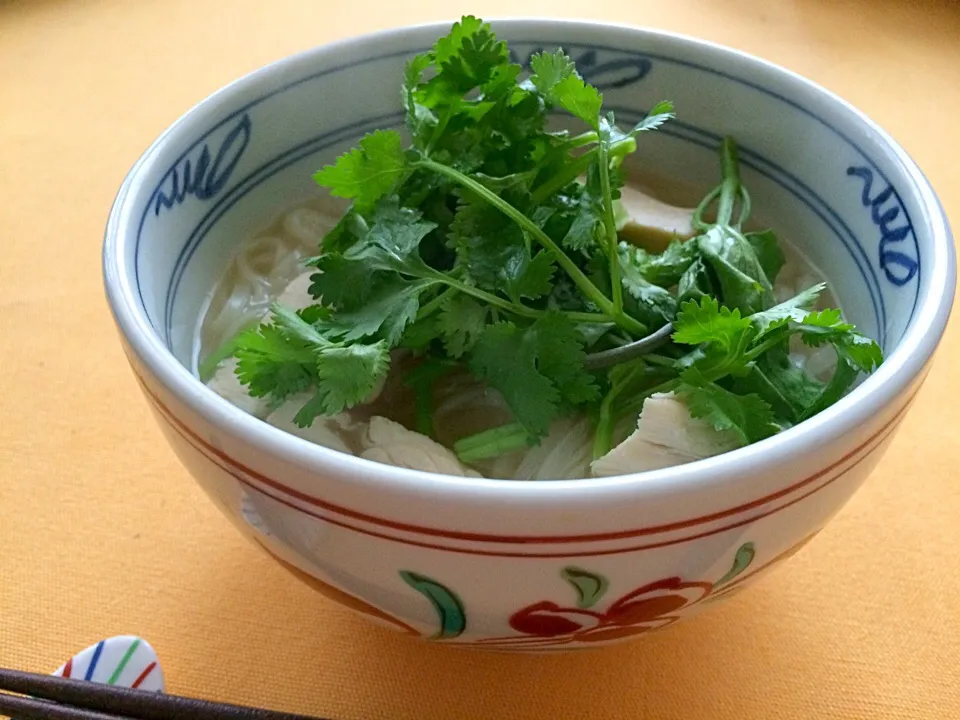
24, 708
56, 698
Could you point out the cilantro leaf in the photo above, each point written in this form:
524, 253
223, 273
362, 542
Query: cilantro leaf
695, 283
487, 243
796, 309
289, 356
658, 115
577, 98
496, 254
366, 273
393, 240
749, 416
768, 252
387, 311
579, 214
420, 334
420, 119
550, 68
843, 378
859, 351
271, 363
656, 306
448, 47
539, 370
536, 278
461, 322
346, 375
743, 284
468, 56
341, 282
586, 229
506, 357
723, 338
368, 172
558, 81
707, 322
664, 269
853, 348
390, 245
788, 388
560, 357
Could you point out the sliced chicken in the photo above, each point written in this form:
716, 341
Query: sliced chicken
391, 443
666, 435
649, 223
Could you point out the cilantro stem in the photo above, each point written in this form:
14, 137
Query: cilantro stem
294, 322
432, 306
512, 307
582, 281
491, 443
746, 205
515, 308
579, 166
659, 360
603, 437
701, 208
635, 403
610, 224
584, 138
760, 349
727, 192
591, 291
584, 317
730, 186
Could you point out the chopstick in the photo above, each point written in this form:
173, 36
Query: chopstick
56, 698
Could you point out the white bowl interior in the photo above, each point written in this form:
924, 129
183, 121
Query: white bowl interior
816, 170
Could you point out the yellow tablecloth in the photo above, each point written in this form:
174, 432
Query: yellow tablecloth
102, 532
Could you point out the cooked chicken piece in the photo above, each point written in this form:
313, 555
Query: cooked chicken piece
649, 223
666, 435
388, 442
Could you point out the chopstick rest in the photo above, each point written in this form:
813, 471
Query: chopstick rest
124, 660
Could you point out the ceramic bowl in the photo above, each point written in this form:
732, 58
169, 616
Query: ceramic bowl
524, 565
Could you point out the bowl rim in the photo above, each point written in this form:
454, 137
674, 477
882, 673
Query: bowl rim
901, 368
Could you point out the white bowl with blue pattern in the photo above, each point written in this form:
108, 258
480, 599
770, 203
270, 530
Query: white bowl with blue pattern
547, 565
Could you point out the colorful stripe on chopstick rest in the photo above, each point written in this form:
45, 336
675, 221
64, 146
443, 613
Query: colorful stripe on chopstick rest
124, 660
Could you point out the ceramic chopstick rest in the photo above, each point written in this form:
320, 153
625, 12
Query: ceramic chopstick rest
124, 661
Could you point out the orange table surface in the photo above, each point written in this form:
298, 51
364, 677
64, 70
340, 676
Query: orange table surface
102, 532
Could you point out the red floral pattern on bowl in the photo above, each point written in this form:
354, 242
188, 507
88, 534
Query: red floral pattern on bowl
650, 607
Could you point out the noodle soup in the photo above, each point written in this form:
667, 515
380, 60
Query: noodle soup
270, 266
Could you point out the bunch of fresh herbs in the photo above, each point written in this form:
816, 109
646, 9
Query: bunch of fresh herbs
490, 243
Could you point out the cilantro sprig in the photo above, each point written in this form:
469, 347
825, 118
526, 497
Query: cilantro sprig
488, 244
